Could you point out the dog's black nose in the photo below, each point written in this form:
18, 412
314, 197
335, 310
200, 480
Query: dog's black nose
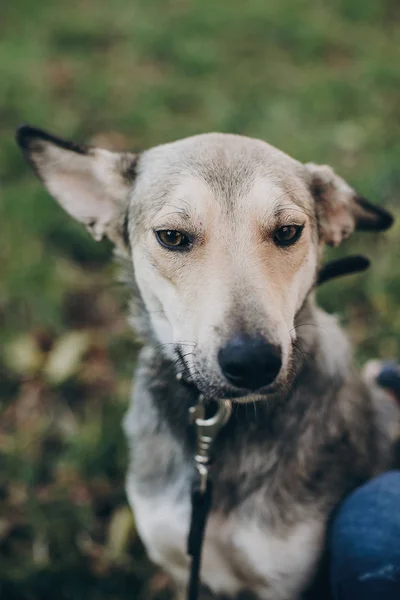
250, 362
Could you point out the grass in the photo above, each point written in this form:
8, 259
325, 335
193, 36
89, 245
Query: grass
319, 80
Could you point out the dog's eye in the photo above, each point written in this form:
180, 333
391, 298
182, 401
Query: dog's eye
173, 240
287, 235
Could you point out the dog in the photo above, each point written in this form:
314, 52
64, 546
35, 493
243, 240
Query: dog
222, 237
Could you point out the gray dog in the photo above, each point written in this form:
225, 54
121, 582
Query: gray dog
222, 238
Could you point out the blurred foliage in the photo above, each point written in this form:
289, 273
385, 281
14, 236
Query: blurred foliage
319, 80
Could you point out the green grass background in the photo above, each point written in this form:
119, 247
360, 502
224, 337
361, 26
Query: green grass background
318, 79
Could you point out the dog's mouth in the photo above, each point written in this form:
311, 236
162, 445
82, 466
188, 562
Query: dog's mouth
214, 386
241, 396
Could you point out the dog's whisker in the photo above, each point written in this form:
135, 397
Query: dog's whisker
255, 408
311, 325
285, 208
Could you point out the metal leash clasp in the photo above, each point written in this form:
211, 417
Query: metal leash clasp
206, 432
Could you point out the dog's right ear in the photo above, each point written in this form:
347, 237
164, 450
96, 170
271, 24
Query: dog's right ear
91, 184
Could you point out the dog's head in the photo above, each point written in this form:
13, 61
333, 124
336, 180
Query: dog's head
224, 233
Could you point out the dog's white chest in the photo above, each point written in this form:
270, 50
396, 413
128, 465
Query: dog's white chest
238, 554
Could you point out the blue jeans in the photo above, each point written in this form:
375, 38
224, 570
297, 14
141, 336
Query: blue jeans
365, 542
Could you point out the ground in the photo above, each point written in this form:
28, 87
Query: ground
319, 80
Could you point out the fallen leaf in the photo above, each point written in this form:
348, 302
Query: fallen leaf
119, 532
23, 355
65, 357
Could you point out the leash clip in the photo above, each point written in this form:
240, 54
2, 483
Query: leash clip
206, 432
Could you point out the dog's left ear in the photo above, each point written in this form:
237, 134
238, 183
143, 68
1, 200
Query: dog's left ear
340, 210
91, 184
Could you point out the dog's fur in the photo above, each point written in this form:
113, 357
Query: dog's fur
290, 451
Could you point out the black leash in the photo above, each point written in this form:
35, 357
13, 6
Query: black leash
201, 505
206, 430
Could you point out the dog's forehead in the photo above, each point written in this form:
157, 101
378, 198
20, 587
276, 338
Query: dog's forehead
220, 167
